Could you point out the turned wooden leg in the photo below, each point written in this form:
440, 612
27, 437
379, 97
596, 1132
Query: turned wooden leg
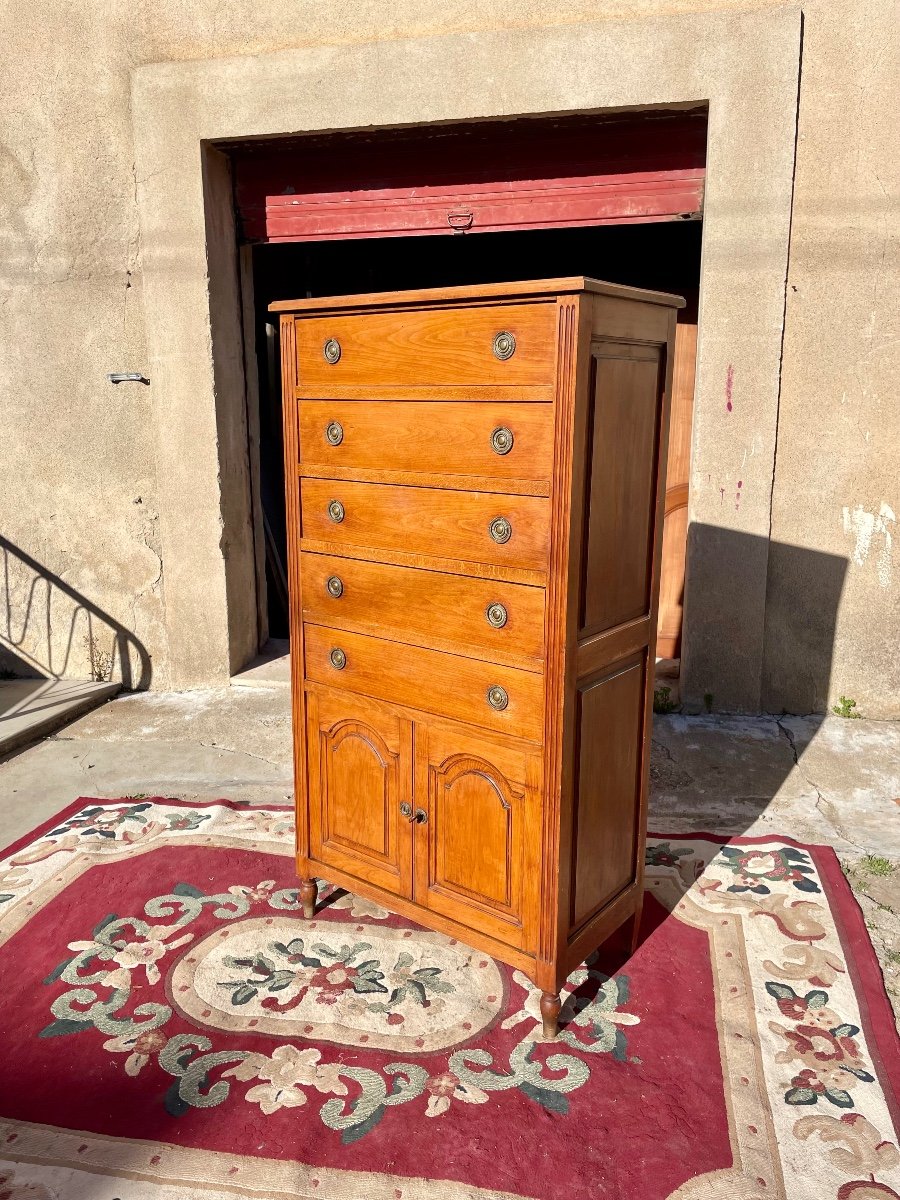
308, 897
550, 1006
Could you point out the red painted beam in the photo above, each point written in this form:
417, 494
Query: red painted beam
534, 204
527, 175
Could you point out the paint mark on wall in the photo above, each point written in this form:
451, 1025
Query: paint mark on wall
867, 528
737, 495
729, 387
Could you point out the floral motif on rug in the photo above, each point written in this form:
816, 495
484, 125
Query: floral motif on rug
169, 1015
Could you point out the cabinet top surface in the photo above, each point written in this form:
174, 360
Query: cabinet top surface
537, 288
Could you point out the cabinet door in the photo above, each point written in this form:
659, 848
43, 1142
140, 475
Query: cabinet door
478, 862
360, 773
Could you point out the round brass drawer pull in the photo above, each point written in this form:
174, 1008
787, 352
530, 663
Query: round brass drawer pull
420, 816
504, 345
334, 586
497, 615
406, 811
500, 529
334, 433
336, 511
497, 697
332, 350
502, 440
339, 659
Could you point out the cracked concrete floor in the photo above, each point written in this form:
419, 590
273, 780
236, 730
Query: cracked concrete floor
825, 780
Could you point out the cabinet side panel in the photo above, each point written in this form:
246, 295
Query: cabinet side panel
288, 332
619, 538
609, 722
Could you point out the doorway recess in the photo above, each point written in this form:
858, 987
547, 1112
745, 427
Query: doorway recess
617, 197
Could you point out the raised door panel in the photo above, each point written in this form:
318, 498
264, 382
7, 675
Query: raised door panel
626, 410
480, 843
360, 773
609, 718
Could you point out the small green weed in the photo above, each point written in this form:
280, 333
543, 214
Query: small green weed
846, 707
662, 702
876, 864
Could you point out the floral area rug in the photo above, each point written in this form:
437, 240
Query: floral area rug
171, 1028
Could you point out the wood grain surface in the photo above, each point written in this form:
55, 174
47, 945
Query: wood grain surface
428, 521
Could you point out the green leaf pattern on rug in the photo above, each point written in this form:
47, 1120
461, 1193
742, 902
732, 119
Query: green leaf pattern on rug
123, 951
754, 868
823, 1045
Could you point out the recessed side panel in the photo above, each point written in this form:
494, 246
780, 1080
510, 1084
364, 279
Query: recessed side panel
609, 723
626, 404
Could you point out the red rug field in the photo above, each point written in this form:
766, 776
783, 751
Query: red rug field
171, 1028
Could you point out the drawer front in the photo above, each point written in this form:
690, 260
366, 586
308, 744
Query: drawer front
497, 440
502, 622
431, 348
446, 524
445, 684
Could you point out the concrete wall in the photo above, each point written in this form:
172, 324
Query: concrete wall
81, 494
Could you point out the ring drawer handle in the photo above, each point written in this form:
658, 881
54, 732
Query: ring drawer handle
406, 811
338, 658
497, 697
502, 440
332, 350
500, 529
334, 433
497, 615
336, 511
504, 345
334, 586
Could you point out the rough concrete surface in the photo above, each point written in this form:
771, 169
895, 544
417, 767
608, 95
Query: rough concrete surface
830, 781
85, 502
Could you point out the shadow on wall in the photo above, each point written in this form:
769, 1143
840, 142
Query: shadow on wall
791, 616
48, 629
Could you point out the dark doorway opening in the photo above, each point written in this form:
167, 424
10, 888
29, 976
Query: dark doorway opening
662, 257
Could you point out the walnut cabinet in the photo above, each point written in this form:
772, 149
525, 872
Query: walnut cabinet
475, 486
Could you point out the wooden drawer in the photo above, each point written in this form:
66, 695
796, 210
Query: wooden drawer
426, 608
445, 524
413, 352
445, 684
493, 439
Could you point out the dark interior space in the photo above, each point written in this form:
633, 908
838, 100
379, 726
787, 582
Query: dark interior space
662, 256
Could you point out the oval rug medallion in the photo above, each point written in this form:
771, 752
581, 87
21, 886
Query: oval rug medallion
362, 986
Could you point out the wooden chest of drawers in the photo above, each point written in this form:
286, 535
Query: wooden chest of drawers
474, 500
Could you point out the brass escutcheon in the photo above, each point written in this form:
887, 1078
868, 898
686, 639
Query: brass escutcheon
336, 511
497, 697
334, 586
332, 350
502, 440
497, 615
338, 658
500, 529
406, 811
504, 345
334, 433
